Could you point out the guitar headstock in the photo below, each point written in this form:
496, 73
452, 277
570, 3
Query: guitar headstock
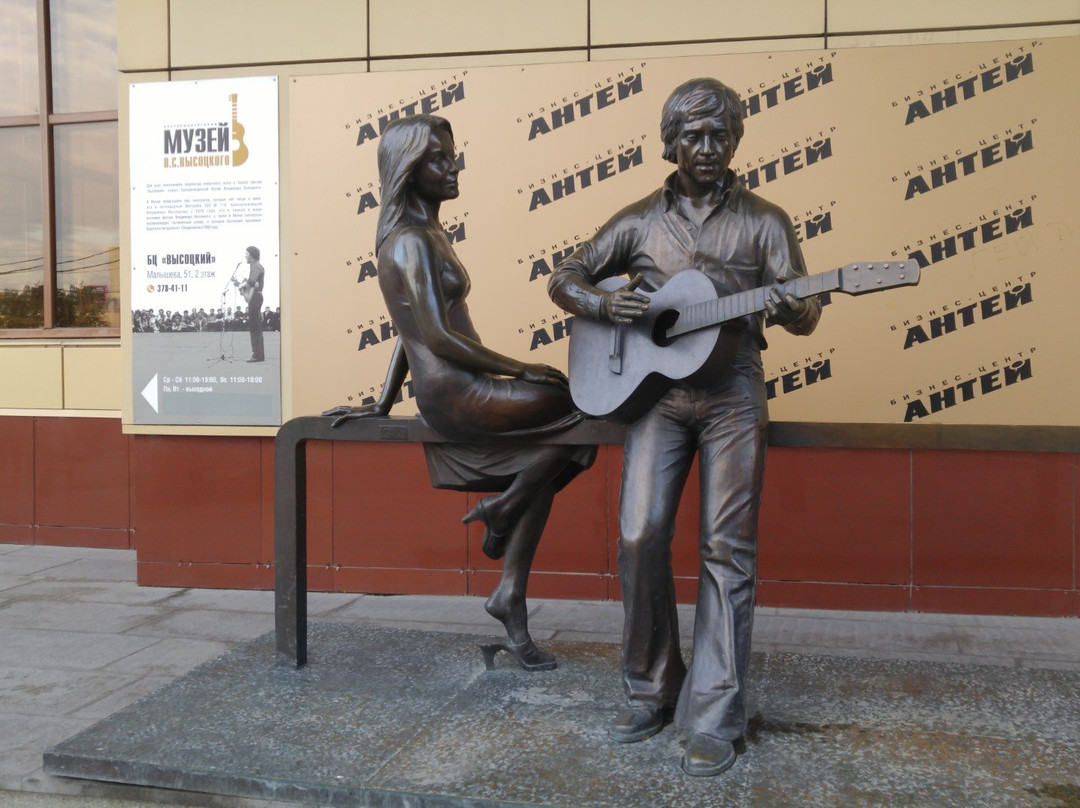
870, 276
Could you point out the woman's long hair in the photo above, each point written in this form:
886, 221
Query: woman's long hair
401, 146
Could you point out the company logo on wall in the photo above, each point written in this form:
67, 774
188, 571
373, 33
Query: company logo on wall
963, 162
955, 315
802, 153
549, 329
950, 91
800, 374
206, 145
956, 239
801, 79
542, 262
428, 100
987, 379
580, 104
814, 222
569, 180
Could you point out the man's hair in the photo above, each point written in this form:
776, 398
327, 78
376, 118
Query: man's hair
254, 252
696, 99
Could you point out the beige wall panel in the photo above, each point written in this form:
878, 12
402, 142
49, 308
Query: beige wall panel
142, 33
92, 376
942, 37
978, 186
478, 60
618, 21
430, 26
36, 413
216, 32
37, 371
707, 48
879, 15
125, 230
283, 72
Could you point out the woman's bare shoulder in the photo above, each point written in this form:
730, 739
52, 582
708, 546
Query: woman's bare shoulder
407, 244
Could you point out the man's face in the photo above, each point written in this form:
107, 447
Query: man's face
249, 257
436, 175
703, 151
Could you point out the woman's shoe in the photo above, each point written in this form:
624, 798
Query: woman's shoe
494, 545
527, 655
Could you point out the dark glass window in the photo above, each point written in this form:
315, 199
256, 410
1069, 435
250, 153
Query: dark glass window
59, 195
22, 274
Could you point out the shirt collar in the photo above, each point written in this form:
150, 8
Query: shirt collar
731, 196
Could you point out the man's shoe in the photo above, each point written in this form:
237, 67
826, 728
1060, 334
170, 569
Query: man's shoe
637, 721
707, 756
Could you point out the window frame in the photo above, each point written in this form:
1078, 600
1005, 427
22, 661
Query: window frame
46, 120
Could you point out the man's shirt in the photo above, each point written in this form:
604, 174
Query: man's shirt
744, 243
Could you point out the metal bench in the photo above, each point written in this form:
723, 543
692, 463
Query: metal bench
290, 504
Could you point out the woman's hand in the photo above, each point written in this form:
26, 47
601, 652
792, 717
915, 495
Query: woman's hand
345, 413
543, 374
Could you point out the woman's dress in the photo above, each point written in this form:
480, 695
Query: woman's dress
490, 419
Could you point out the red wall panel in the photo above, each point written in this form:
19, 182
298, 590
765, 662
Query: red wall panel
960, 531
993, 519
81, 482
836, 515
17, 480
199, 499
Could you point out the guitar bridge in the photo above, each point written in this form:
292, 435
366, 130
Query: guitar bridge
615, 356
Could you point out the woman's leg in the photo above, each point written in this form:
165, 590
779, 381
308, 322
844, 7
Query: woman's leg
502, 513
507, 603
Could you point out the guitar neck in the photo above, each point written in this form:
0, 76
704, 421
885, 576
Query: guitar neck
731, 307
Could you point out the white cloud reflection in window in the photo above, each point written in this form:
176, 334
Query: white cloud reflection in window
18, 57
84, 55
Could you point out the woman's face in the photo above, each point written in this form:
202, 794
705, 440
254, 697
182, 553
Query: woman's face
435, 176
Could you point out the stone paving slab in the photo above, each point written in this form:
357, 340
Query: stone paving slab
67, 650
91, 592
257, 600
405, 718
107, 618
88, 569
427, 609
168, 657
25, 563
207, 624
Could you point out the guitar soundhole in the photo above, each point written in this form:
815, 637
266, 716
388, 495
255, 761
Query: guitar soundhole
664, 321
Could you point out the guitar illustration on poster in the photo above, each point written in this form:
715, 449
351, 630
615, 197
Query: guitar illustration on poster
240, 152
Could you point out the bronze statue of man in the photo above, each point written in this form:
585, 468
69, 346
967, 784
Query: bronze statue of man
701, 218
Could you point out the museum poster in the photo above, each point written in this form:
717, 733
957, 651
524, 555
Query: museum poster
205, 274
959, 158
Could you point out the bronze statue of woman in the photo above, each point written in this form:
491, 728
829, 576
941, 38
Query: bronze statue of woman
489, 404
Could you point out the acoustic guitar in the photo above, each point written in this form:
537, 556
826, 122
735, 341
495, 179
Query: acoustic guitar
689, 334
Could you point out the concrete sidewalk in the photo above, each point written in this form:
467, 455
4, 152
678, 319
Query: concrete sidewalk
79, 641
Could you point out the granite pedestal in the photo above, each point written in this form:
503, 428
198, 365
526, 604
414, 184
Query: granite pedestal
392, 717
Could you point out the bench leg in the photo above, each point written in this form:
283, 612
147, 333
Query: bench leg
290, 554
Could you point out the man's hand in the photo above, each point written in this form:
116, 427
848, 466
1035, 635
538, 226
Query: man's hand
543, 374
784, 309
624, 305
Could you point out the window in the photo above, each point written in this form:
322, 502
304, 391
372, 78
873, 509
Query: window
59, 189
